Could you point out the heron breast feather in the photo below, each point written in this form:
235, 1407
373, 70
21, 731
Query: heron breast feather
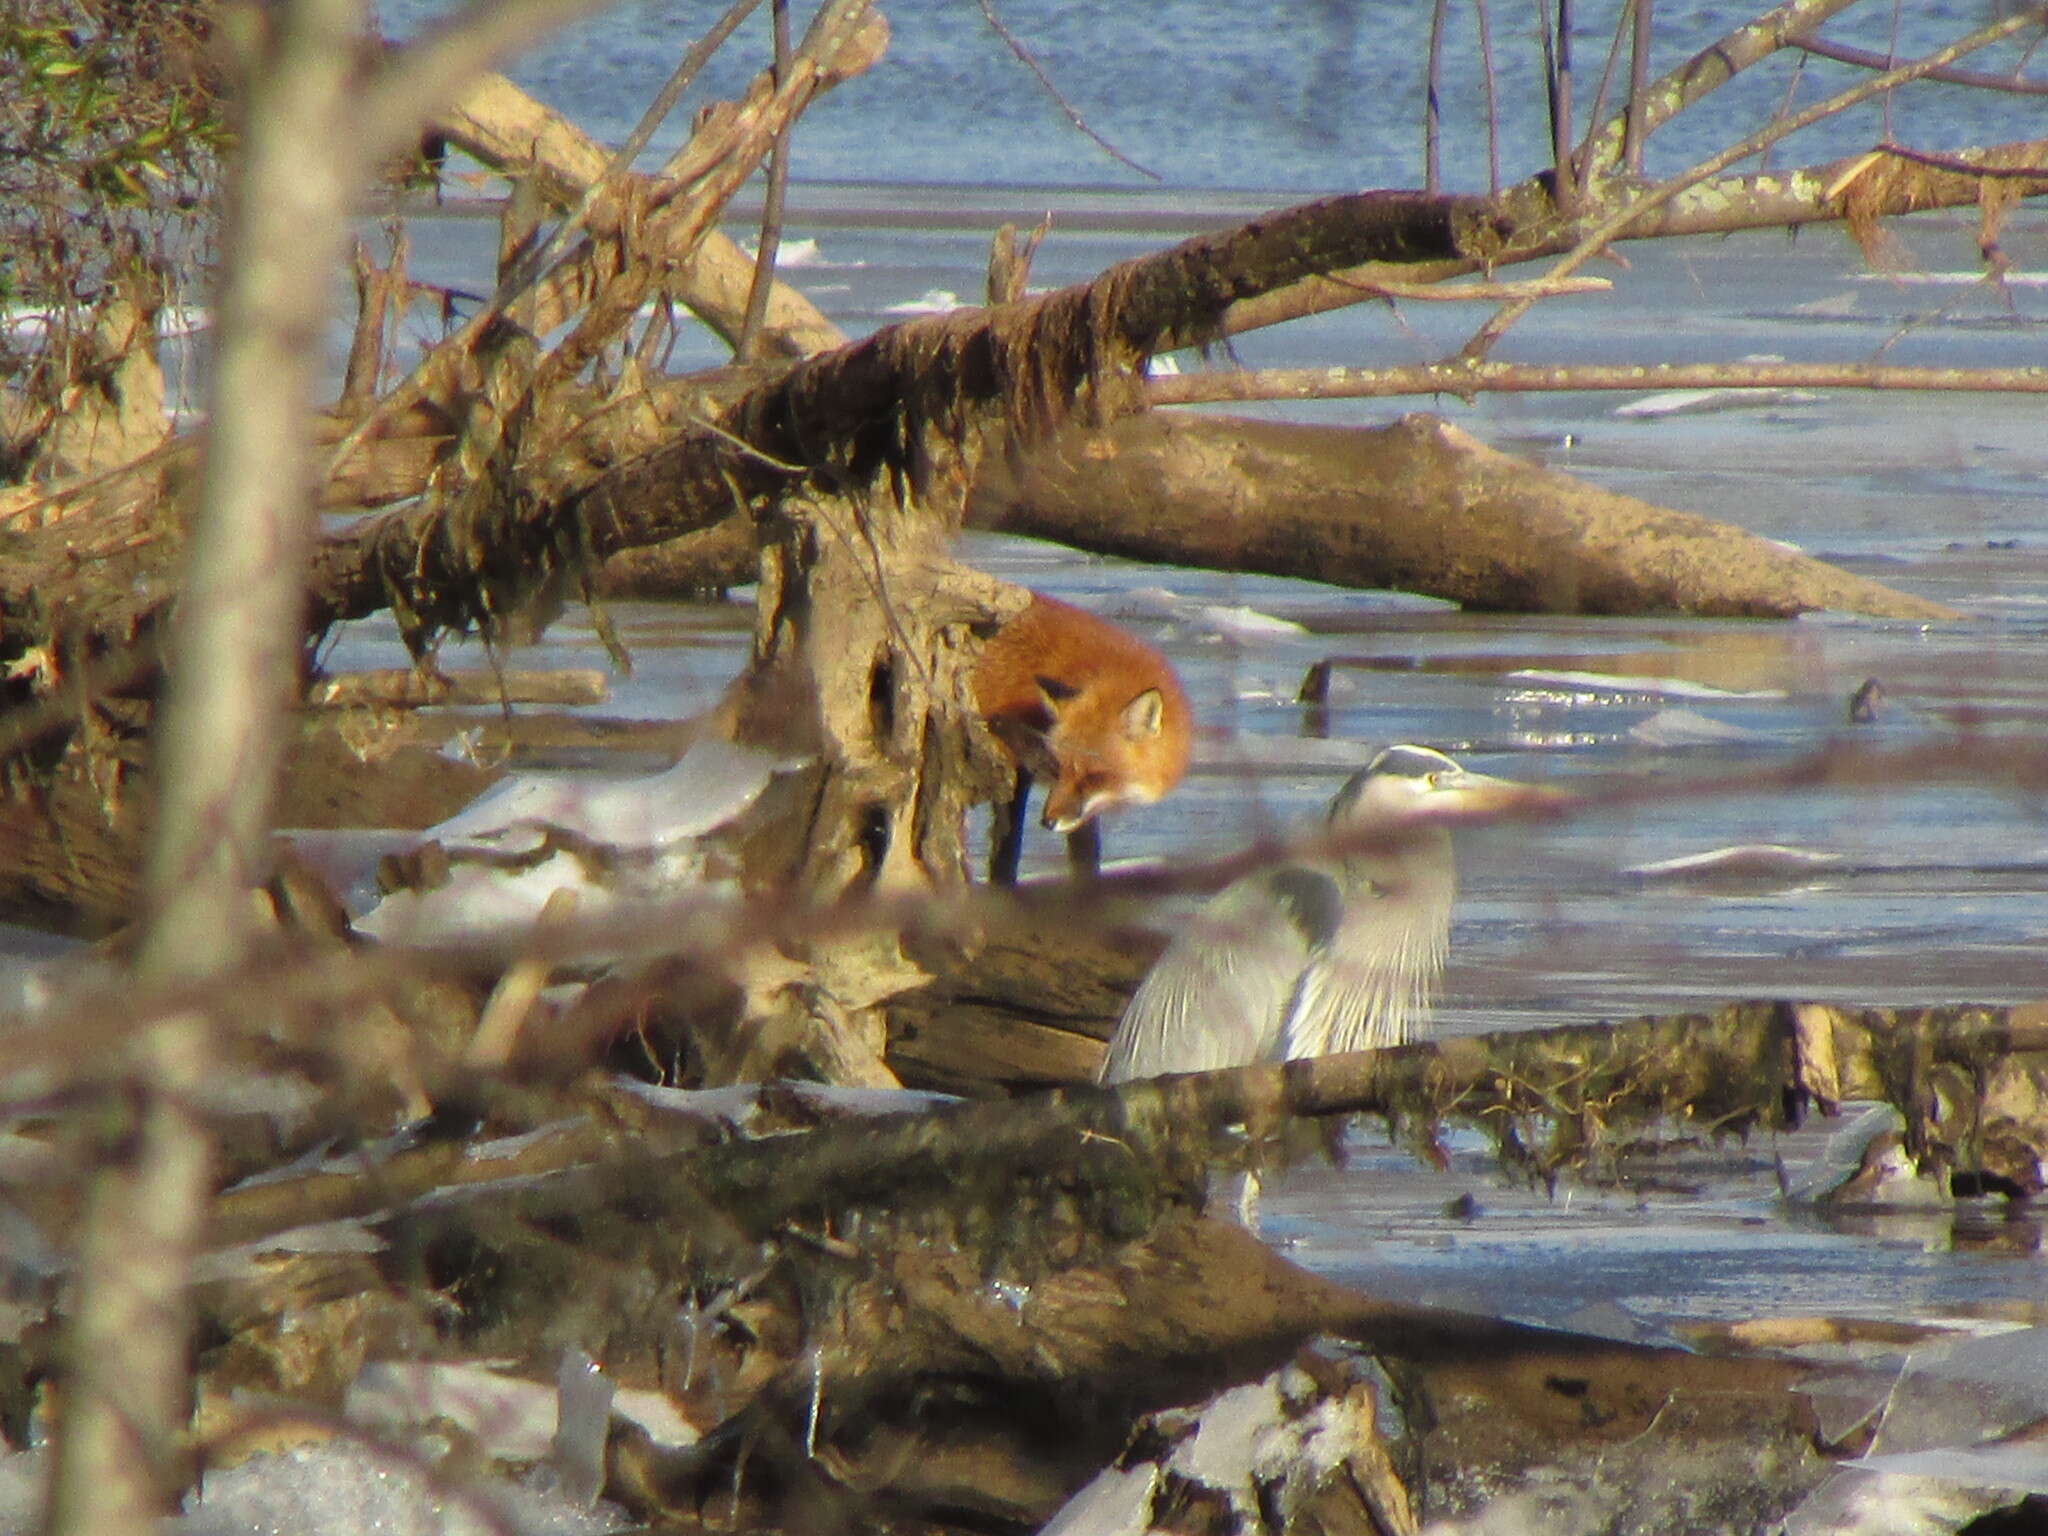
1312, 901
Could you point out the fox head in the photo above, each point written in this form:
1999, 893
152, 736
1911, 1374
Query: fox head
1104, 752
1088, 710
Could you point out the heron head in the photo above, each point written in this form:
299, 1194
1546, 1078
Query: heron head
1405, 781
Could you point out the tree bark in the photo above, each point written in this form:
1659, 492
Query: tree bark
1420, 506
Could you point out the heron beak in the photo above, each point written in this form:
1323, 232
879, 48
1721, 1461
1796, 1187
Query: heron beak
1481, 794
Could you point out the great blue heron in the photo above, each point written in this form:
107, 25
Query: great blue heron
1328, 954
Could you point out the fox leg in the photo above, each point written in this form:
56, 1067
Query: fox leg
1084, 849
1009, 833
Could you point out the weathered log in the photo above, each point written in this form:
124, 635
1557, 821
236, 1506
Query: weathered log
1419, 505
1970, 1083
405, 688
920, 400
71, 846
500, 125
1030, 1008
1022, 1282
711, 560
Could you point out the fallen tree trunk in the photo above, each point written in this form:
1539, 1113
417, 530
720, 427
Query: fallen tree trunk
1968, 1081
1043, 1280
1419, 505
1017, 1282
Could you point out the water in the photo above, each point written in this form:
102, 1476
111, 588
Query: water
1302, 96
1939, 891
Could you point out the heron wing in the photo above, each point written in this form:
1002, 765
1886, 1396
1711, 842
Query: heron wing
1216, 995
1371, 983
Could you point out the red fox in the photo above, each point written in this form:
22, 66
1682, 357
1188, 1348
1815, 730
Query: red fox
1095, 712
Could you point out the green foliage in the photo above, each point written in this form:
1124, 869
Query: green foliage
111, 145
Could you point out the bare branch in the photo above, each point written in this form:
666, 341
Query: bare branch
1582, 157
1635, 207
1451, 293
1492, 101
771, 207
1962, 165
1705, 72
1024, 57
527, 273
712, 163
1812, 194
1432, 107
234, 646
1760, 201
1632, 130
1467, 379
497, 123
1557, 74
713, 166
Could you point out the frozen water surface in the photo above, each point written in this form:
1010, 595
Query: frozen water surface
1925, 888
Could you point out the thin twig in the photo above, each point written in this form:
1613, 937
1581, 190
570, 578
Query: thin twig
1432, 104
1786, 97
1891, 57
1863, 58
1485, 291
1010, 41
1638, 84
1492, 100
771, 207
1561, 123
1557, 95
1582, 163
1961, 166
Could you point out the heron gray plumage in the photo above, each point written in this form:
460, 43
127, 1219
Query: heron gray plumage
1317, 955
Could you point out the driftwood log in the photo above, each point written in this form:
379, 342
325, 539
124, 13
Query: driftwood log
961, 1336
1967, 1081
1419, 505
503, 128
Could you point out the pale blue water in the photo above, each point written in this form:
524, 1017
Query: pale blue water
1298, 96
1941, 890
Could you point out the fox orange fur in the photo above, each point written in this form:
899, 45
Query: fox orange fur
1094, 712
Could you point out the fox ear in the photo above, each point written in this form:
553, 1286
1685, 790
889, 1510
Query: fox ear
1144, 715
